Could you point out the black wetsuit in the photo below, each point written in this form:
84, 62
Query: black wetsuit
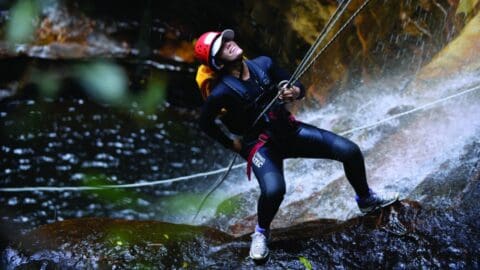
288, 138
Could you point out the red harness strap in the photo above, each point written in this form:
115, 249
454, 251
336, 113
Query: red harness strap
262, 139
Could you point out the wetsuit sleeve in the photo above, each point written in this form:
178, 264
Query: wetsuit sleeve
210, 110
279, 74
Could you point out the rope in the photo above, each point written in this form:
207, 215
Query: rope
214, 172
303, 66
333, 19
423, 107
301, 72
215, 186
135, 185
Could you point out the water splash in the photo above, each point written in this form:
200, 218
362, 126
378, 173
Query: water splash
400, 154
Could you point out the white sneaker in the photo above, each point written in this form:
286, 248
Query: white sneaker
258, 248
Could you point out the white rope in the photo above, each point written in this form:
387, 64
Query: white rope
213, 172
307, 59
425, 106
321, 36
135, 185
307, 65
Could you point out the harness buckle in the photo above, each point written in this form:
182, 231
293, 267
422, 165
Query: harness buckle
283, 84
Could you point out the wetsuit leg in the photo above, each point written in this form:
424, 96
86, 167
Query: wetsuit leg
313, 142
267, 165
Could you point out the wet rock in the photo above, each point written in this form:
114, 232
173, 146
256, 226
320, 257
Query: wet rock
64, 34
462, 55
402, 235
384, 35
441, 189
102, 242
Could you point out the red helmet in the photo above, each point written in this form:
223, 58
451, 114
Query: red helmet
209, 44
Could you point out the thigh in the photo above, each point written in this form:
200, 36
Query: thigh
267, 165
313, 142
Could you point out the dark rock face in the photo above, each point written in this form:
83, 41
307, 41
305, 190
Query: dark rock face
99, 243
404, 235
386, 34
401, 236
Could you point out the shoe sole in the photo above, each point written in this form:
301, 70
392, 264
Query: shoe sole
258, 258
369, 210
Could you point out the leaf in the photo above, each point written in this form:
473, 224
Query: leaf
21, 25
154, 95
106, 82
305, 263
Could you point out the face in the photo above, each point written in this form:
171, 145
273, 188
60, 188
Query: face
229, 52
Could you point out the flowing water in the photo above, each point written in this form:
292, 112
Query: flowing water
72, 142
77, 141
400, 153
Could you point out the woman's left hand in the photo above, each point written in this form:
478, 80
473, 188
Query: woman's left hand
290, 94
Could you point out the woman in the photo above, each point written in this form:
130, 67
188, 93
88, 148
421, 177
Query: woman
242, 92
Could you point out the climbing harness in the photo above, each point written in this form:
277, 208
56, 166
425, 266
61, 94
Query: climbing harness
262, 139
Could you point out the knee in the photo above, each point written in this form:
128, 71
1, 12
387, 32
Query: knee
348, 151
275, 188
274, 194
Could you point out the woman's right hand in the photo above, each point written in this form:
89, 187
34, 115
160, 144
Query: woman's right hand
290, 94
237, 145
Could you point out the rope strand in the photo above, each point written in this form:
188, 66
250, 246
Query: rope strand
321, 36
303, 66
300, 73
215, 186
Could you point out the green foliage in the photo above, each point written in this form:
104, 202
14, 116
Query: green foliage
104, 81
21, 26
229, 205
107, 83
305, 263
187, 204
48, 82
154, 94
115, 196
118, 237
